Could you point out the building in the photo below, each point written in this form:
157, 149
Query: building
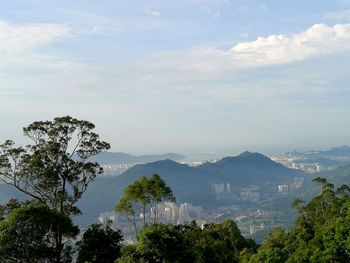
283, 188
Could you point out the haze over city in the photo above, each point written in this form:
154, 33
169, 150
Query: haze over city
182, 76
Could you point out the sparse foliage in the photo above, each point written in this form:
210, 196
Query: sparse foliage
142, 197
55, 169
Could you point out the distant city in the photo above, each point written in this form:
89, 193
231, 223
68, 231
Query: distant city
250, 205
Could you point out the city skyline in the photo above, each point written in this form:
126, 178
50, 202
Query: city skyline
181, 76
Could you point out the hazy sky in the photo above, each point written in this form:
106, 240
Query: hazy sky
181, 76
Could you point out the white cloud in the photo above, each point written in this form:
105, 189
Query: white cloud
206, 62
20, 38
339, 15
152, 12
319, 39
197, 72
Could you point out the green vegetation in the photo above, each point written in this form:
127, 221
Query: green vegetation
321, 232
100, 244
142, 196
55, 171
219, 243
27, 232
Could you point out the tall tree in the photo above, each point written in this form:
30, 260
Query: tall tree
158, 192
54, 169
144, 196
100, 244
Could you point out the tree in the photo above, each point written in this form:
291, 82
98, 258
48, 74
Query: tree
125, 206
159, 243
158, 192
27, 231
220, 242
274, 248
142, 196
55, 169
162, 243
320, 233
99, 244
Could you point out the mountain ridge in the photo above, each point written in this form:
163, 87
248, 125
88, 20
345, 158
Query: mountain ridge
192, 184
189, 184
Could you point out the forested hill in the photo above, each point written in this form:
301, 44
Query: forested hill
189, 184
248, 168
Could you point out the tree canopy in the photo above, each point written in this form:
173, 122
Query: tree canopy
99, 244
321, 232
144, 196
54, 170
220, 243
28, 230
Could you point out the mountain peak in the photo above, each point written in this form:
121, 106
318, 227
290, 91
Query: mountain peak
252, 155
245, 153
164, 164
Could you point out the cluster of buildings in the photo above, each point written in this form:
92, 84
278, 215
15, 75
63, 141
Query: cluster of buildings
252, 194
115, 169
296, 184
249, 222
251, 229
168, 213
224, 191
294, 163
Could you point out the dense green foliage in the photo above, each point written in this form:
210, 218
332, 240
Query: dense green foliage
99, 244
219, 243
55, 171
27, 232
321, 232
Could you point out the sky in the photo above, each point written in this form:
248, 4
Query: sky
220, 76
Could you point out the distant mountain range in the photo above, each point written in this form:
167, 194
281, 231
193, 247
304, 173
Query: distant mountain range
339, 176
189, 184
329, 159
342, 151
114, 158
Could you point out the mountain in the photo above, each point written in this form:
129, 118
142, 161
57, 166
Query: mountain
341, 151
339, 176
110, 158
337, 151
327, 160
189, 184
248, 168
